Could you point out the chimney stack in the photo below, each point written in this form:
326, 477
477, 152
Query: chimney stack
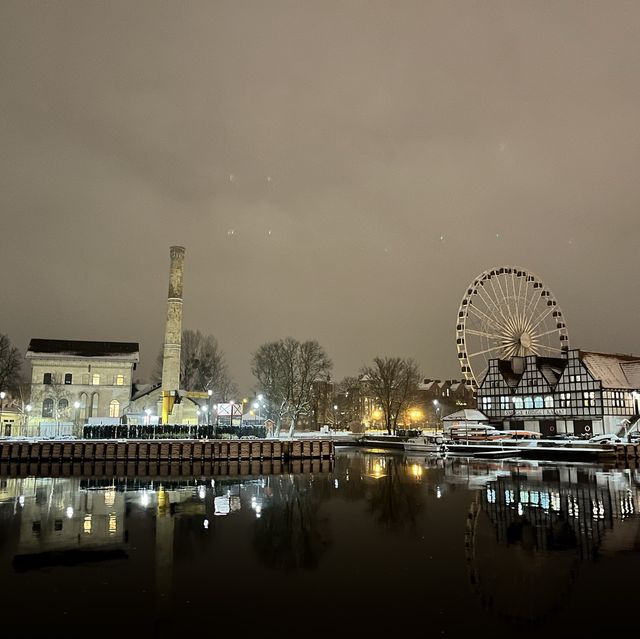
172, 334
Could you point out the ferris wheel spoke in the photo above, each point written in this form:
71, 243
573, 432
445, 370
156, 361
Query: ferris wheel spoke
478, 313
506, 301
537, 335
541, 317
489, 302
484, 352
504, 317
496, 336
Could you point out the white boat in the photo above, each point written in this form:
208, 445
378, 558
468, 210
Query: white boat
426, 444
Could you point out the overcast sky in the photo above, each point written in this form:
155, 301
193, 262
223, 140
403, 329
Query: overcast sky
336, 170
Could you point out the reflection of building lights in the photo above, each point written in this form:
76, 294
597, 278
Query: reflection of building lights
438, 492
416, 471
69, 512
335, 483
202, 492
86, 524
520, 509
109, 497
144, 499
205, 524
21, 500
113, 523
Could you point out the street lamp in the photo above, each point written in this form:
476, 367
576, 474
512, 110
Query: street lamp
2, 396
210, 394
335, 423
438, 409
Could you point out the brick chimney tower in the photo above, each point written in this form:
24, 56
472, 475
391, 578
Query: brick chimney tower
172, 334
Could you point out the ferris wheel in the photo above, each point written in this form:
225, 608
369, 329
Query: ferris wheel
507, 312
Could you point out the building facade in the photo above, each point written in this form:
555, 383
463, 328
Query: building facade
583, 393
72, 381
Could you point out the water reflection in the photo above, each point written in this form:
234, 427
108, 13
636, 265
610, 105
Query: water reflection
523, 534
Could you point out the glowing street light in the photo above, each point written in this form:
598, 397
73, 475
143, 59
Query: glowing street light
438, 409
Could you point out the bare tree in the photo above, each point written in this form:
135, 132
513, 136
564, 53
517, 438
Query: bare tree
286, 370
10, 365
202, 366
394, 381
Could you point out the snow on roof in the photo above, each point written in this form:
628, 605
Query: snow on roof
613, 370
128, 351
428, 386
466, 415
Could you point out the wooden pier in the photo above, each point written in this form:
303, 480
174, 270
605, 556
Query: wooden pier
165, 450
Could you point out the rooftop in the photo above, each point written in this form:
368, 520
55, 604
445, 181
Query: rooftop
75, 348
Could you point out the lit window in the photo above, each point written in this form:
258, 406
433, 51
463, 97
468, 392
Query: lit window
119, 380
538, 402
114, 408
47, 408
548, 401
95, 380
517, 401
528, 402
68, 378
87, 524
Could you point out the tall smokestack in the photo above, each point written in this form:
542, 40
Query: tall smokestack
172, 333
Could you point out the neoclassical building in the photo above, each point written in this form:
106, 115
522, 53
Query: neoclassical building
582, 393
72, 381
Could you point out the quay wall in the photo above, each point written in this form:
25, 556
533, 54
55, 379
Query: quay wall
166, 450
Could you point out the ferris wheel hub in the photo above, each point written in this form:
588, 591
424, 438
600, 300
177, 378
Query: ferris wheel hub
525, 340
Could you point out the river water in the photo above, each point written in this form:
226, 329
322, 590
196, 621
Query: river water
421, 545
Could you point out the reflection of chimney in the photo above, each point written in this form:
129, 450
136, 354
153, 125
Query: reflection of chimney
172, 334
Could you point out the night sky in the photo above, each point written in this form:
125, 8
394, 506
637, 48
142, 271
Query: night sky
336, 170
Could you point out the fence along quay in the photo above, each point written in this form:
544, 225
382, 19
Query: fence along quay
165, 450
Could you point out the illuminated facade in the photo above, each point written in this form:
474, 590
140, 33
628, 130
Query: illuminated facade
97, 376
583, 393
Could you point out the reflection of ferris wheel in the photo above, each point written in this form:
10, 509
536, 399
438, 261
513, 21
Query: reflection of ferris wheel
507, 312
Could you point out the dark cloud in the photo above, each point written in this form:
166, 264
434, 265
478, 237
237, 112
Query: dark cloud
338, 170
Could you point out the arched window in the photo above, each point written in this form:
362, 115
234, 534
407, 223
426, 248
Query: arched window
47, 407
538, 402
63, 407
528, 402
517, 402
83, 407
94, 405
548, 401
114, 408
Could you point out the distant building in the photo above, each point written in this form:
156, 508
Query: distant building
584, 393
95, 375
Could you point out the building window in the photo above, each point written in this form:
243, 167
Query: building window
63, 406
68, 378
47, 407
564, 400
589, 399
47, 378
504, 402
517, 401
548, 401
94, 405
538, 403
528, 402
120, 380
114, 408
95, 380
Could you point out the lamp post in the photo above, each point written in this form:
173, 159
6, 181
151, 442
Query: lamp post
209, 396
438, 410
335, 416
2, 396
